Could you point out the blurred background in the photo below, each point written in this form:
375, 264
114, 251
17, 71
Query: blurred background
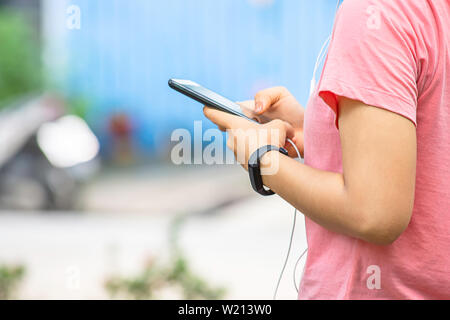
91, 206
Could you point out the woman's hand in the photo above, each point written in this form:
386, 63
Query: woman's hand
245, 137
278, 103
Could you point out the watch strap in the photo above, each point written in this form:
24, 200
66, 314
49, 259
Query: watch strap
254, 169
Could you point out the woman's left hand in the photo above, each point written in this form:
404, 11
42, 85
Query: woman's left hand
245, 137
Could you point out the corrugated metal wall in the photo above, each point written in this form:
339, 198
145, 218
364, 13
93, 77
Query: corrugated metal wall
126, 50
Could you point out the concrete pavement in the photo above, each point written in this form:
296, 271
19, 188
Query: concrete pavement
240, 245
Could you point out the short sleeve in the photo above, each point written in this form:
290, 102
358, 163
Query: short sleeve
371, 58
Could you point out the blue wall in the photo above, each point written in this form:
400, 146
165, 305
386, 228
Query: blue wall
126, 50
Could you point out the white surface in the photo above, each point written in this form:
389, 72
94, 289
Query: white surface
69, 256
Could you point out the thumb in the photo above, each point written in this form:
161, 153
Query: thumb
266, 98
261, 104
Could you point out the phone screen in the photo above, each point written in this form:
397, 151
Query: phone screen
206, 96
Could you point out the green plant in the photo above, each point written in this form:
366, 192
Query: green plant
78, 106
177, 275
10, 278
149, 283
20, 71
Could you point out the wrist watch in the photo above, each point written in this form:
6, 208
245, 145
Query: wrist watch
254, 170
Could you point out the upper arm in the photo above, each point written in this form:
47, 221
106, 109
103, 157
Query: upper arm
379, 165
374, 66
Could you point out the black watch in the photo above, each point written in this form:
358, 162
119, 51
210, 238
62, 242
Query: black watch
254, 170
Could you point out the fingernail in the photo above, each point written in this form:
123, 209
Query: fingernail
258, 106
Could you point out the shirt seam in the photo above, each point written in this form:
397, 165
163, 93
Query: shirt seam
369, 89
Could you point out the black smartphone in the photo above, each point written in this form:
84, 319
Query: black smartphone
207, 97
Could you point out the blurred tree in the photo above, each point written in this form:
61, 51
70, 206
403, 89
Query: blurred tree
153, 279
20, 67
176, 276
10, 278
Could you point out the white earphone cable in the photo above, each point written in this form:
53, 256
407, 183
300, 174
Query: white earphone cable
291, 237
321, 56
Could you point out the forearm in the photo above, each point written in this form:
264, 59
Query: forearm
320, 195
374, 196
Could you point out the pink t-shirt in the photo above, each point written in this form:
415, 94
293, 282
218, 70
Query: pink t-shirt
395, 55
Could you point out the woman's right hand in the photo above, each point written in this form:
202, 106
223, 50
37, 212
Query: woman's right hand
278, 103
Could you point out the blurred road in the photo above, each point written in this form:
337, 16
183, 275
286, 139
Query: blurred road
231, 237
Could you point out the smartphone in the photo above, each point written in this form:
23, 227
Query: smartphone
207, 97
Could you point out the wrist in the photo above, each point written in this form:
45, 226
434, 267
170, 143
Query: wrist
268, 159
264, 162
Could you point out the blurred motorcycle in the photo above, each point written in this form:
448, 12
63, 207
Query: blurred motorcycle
45, 155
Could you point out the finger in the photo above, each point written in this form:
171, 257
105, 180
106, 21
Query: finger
291, 150
266, 98
248, 105
248, 109
298, 141
290, 131
282, 125
222, 119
